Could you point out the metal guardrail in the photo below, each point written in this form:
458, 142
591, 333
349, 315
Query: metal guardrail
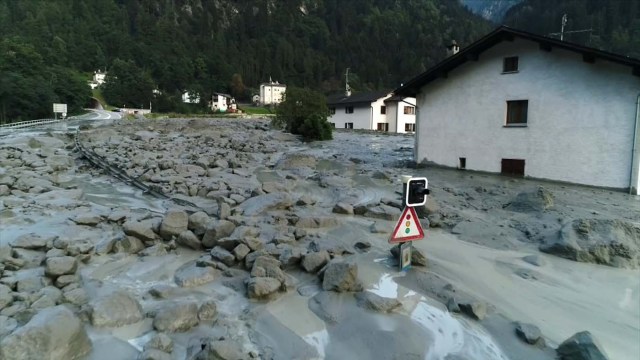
122, 175
29, 123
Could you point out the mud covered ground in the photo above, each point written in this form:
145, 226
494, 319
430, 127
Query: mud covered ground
280, 251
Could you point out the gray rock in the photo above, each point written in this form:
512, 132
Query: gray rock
314, 222
342, 208
31, 241
198, 222
7, 325
228, 243
189, 239
173, 224
217, 230
253, 243
42, 336
32, 258
221, 350
80, 247
142, 230
105, 246
241, 251
5, 252
362, 246
258, 205
64, 280
417, 258
384, 212
529, 333
291, 256
224, 210
87, 219
115, 309
129, 245
305, 200
63, 265
223, 255
154, 250
30, 284
313, 262
261, 287
452, 305
6, 297
581, 346
536, 260
266, 266
47, 297
341, 276
207, 311
13, 264
176, 317
371, 301
474, 309
161, 342
154, 354
76, 296
609, 242
538, 200
190, 275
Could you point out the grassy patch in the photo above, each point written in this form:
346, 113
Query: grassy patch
256, 110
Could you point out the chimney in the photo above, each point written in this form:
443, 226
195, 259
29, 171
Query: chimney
453, 48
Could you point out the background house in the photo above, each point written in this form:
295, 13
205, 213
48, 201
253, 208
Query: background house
98, 79
190, 97
359, 111
272, 92
222, 102
519, 103
401, 114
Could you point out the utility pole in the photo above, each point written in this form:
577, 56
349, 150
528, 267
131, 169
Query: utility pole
347, 89
562, 32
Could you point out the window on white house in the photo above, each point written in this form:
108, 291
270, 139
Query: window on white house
510, 64
383, 109
333, 125
409, 110
348, 125
383, 127
348, 110
410, 127
332, 110
517, 112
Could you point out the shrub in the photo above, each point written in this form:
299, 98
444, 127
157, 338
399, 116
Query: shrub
304, 112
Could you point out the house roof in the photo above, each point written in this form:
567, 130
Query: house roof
395, 98
365, 97
504, 33
223, 94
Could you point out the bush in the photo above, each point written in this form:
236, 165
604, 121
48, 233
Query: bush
304, 112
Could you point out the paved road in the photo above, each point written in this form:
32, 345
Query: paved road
98, 115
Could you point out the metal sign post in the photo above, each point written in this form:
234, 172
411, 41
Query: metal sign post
59, 108
408, 227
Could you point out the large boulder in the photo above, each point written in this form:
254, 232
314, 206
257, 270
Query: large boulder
375, 302
384, 212
529, 333
341, 276
313, 262
267, 266
581, 346
198, 222
190, 275
189, 239
116, 309
173, 224
217, 230
63, 265
176, 317
537, 200
609, 242
31, 241
221, 350
54, 334
262, 287
142, 230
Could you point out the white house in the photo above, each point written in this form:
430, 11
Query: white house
518, 103
272, 92
401, 114
222, 102
359, 111
98, 79
190, 97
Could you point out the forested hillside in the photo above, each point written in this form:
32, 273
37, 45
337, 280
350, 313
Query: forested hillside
615, 23
198, 45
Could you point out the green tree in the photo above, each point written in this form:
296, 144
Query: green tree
128, 85
237, 86
304, 112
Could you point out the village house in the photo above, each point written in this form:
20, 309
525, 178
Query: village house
272, 93
190, 97
376, 110
98, 79
222, 103
528, 105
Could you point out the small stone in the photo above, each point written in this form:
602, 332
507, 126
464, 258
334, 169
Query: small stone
63, 265
341, 276
241, 251
176, 317
371, 301
342, 208
260, 287
190, 275
452, 305
115, 309
64, 280
189, 239
315, 261
529, 333
221, 254
161, 342
475, 309
207, 311
581, 346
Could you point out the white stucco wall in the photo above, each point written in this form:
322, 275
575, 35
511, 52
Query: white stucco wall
405, 118
580, 116
377, 116
361, 116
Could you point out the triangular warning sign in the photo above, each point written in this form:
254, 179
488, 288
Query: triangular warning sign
407, 228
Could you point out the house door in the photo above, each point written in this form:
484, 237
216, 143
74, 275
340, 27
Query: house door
513, 167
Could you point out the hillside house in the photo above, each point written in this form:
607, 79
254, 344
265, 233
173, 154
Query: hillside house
523, 104
272, 93
222, 102
190, 97
376, 110
98, 79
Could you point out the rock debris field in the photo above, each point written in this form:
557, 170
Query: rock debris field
271, 248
